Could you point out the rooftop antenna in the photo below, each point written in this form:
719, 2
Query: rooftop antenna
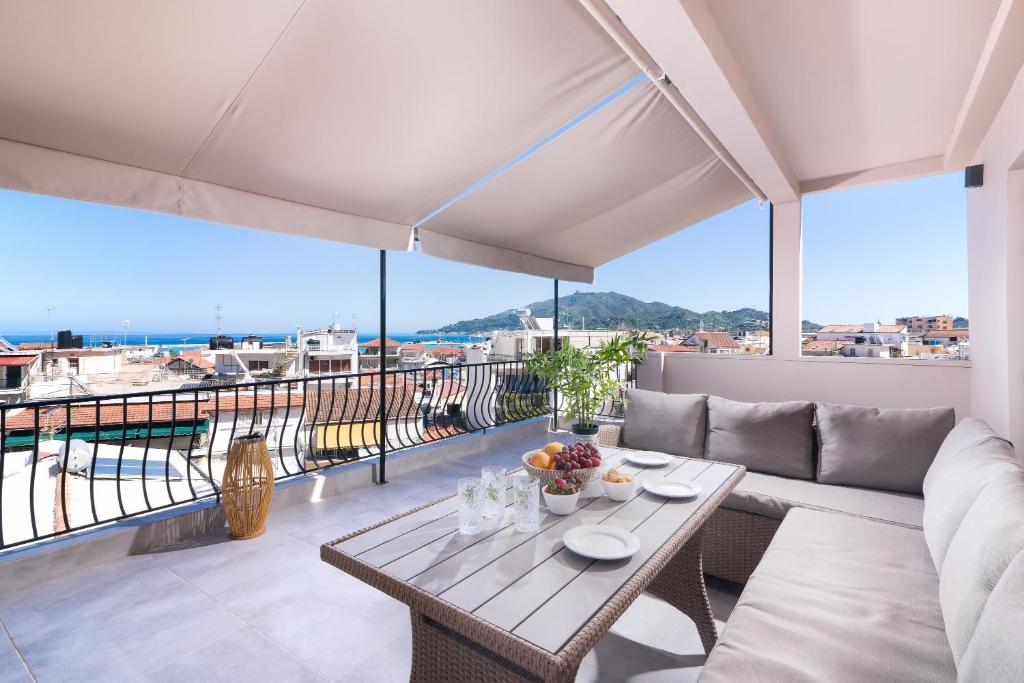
49, 322
219, 309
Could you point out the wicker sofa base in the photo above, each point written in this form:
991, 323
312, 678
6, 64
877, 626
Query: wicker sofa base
735, 542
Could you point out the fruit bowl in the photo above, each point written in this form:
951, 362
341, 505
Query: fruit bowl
574, 453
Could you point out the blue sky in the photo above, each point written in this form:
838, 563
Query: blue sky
870, 253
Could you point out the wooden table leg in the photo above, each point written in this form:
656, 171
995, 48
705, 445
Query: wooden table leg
681, 584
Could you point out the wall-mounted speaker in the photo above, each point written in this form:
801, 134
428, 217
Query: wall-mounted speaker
974, 176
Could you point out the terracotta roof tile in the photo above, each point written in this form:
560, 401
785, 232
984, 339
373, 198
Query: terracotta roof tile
958, 332
720, 340
823, 346
17, 360
361, 405
444, 351
84, 415
374, 343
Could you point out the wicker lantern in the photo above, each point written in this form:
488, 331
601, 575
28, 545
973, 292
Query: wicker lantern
248, 486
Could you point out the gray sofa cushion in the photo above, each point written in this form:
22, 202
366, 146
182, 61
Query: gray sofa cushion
994, 653
669, 423
837, 598
889, 449
990, 536
970, 457
774, 438
771, 496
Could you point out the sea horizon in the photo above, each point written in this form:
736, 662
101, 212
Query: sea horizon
201, 339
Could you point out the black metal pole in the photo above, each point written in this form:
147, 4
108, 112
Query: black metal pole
555, 346
382, 478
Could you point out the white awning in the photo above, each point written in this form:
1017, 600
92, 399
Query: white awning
351, 121
631, 174
346, 121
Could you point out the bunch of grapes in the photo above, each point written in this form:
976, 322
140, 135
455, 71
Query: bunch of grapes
577, 456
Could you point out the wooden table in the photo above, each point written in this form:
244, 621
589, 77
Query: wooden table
509, 606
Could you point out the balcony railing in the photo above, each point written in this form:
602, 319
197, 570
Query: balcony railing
136, 453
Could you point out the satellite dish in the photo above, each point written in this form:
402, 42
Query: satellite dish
75, 456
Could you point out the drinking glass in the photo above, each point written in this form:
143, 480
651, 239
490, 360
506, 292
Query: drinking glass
526, 502
493, 479
470, 504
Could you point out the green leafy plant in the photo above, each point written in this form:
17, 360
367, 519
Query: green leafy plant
586, 378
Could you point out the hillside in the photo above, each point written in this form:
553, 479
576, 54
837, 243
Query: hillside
611, 310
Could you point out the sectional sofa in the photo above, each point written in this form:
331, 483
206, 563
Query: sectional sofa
873, 544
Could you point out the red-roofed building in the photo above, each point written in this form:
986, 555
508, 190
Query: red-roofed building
369, 354
15, 370
445, 352
713, 342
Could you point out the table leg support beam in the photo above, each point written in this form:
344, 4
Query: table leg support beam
681, 584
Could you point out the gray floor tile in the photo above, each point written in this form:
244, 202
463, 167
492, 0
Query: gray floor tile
244, 655
12, 670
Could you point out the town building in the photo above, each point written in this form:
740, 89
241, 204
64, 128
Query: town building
81, 363
918, 325
188, 364
538, 334
327, 351
15, 374
713, 342
870, 337
369, 354
823, 347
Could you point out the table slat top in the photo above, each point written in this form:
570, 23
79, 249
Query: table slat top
531, 585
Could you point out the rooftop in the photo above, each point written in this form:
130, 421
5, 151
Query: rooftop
17, 360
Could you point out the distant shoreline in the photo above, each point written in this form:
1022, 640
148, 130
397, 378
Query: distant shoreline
201, 340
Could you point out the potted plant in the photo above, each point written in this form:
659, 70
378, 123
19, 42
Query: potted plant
586, 378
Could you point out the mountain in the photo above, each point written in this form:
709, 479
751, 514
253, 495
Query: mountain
611, 310
960, 322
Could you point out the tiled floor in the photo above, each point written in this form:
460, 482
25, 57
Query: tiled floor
269, 610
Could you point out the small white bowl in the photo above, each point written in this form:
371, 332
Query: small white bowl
619, 491
560, 504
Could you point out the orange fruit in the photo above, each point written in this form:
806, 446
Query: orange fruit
553, 448
541, 460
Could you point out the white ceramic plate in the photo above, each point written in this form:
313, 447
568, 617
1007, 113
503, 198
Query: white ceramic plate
672, 488
648, 459
600, 542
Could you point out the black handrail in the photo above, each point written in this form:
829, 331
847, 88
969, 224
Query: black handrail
178, 438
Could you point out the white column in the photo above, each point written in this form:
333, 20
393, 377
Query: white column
787, 280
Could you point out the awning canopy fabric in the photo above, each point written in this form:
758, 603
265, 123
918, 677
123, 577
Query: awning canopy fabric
351, 121
631, 174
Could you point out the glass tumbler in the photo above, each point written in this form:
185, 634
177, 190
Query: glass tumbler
493, 479
470, 496
526, 502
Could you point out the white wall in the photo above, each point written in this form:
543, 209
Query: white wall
995, 279
880, 383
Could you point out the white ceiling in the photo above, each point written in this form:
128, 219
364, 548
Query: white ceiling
848, 85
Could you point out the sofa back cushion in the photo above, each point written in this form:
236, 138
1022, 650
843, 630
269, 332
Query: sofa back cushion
990, 536
879, 448
774, 438
970, 457
994, 653
669, 423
